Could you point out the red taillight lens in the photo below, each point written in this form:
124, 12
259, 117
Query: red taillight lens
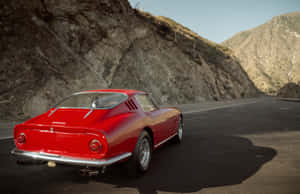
21, 138
95, 145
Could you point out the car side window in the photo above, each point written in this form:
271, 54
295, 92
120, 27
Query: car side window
145, 103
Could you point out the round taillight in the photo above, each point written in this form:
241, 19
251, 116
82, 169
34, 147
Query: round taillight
21, 138
95, 145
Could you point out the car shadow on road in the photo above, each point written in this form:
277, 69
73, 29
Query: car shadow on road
199, 162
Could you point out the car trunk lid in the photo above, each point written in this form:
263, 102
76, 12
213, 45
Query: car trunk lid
71, 119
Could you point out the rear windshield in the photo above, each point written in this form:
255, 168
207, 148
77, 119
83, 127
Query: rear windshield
93, 100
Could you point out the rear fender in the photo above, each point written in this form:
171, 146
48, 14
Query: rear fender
122, 133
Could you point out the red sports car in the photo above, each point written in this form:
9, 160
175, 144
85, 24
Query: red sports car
98, 128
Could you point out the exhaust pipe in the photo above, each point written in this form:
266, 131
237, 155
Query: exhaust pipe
51, 164
88, 172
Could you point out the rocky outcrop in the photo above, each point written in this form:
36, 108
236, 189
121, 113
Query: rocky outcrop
51, 48
270, 52
290, 90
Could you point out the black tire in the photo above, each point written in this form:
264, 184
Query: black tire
178, 138
135, 165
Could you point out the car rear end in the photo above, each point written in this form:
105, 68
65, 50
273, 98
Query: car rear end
68, 132
61, 140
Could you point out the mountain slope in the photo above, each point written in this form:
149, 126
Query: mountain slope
270, 52
51, 48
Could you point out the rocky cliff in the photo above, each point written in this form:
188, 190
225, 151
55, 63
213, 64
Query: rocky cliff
289, 90
270, 52
51, 48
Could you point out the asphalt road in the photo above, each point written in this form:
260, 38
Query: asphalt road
250, 148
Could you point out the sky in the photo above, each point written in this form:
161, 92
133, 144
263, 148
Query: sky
218, 20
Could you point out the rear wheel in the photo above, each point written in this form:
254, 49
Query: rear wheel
140, 161
178, 137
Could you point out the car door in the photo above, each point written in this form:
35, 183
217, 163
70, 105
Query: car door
157, 120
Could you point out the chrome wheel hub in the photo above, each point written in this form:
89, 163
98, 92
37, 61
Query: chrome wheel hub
180, 131
144, 156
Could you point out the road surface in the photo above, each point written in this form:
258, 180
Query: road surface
250, 147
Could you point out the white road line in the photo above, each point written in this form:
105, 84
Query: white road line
190, 112
290, 99
7, 137
220, 107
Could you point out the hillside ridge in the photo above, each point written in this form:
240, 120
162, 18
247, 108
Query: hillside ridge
268, 53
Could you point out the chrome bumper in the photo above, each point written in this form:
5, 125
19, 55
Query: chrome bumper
69, 160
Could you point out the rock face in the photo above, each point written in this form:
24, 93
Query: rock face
289, 90
270, 52
52, 48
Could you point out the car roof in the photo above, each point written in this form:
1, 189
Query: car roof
125, 91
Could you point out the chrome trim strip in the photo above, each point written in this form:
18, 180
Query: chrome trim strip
87, 92
87, 114
164, 141
58, 123
70, 160
51, 113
